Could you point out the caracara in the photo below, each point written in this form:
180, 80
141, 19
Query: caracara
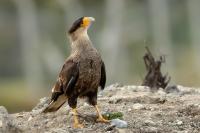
82, 73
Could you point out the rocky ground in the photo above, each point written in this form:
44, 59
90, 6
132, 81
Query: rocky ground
175, 110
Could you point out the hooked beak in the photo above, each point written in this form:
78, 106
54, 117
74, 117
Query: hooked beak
91, 19
87, 21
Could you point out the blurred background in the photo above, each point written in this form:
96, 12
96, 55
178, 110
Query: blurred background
34, 43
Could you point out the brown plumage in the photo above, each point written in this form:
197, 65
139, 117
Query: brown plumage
82, 73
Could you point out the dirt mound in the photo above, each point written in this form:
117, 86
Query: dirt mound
143, 110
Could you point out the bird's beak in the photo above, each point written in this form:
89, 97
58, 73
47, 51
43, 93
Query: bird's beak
87, 21
91, 19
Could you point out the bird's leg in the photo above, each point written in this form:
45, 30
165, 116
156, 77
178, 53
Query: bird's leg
76, 121
100, 117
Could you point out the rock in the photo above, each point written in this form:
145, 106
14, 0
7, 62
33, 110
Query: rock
114, 86
138, 106
161, 92
58, 130
160, 100
110, 128
3, 119
119, 123
100, 93
7, 125
3, 110
40, 106
114, 100
30, 118
143, 88
85, 104
43, 103
149, 122
122, 130
151, 130
172, 89
142, 110
178, 122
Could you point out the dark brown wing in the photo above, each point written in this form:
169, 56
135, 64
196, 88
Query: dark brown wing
69, 76
64, 85
103, 76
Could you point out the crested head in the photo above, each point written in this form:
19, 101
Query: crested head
78, 34
80, 26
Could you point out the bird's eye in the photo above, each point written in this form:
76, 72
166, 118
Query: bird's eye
82, 23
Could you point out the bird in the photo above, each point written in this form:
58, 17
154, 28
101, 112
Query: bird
81, 75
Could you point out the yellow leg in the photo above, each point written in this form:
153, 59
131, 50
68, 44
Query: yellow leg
100, 117
76, 122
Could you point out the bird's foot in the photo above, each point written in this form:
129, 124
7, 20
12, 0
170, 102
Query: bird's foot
101, 119
78, 125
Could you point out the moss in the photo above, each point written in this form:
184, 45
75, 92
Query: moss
113, 115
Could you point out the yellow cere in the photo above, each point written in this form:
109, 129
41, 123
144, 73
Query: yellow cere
86, 21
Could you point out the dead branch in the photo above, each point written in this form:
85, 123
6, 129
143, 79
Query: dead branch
154, 77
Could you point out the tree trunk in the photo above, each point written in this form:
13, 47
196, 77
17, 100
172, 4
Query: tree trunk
30, 43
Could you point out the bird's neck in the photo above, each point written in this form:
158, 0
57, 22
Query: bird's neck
80, 43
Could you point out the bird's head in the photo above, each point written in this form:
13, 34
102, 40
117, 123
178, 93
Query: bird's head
81, 25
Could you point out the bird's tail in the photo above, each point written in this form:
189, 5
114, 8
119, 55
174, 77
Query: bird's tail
55, 105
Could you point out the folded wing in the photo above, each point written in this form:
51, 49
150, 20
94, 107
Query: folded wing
64, 85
